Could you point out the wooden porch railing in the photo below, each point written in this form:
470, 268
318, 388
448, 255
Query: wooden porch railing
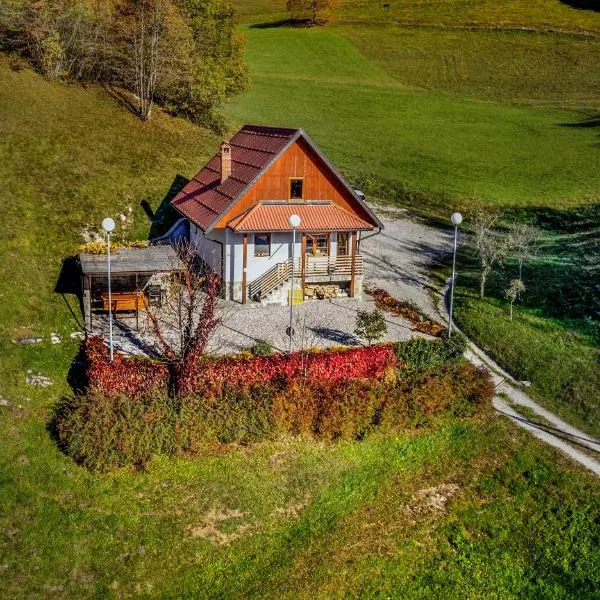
332, 266
314, 266
273, 278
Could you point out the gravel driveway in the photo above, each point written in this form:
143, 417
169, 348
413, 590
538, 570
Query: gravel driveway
396, 259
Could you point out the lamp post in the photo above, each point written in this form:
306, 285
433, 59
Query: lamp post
295, 221
456, 219
108, 226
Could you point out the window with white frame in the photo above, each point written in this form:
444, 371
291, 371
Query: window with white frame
262, 244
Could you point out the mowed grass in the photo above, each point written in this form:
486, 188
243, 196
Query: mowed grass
567, 15
302, 520
508, 66
448, 148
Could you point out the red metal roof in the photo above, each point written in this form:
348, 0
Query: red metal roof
253, 148
314, 217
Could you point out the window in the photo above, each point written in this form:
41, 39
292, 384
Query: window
262, 244
296, 191
342, 244
318, 244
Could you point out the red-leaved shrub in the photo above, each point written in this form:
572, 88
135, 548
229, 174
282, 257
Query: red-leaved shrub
385, 301
134, 377
326, 367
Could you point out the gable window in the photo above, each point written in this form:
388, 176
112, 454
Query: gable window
296, 189
262, 244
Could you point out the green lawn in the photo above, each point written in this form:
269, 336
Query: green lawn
554, 339
564, 15
511, 66
288, 518
443, 146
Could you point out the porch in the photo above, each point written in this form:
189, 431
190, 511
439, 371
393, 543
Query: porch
344, 270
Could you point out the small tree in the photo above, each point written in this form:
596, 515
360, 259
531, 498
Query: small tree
315, 12
190, 314
489, 245
523, 242
370, 326
514, 290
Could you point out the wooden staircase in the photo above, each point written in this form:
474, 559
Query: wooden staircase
273, 278
316, 269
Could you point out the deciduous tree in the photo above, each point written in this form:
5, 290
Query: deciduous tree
490, 245
315, 12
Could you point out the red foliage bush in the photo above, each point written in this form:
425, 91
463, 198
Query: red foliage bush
385, 301
326, 367
137, 377
134, 377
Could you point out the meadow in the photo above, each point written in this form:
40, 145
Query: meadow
468, 509
447, 148
440, 106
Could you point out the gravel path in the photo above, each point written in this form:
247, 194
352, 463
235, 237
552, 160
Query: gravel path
398, 259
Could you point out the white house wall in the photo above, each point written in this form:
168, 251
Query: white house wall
281, 250
208, 249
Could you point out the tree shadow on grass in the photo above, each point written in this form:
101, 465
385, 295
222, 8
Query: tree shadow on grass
282, 23
593, 5
165, 215
563, 281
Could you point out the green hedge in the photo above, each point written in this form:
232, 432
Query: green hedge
106, 433
422, 354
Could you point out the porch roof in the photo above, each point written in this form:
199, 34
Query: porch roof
152, 259
315, 216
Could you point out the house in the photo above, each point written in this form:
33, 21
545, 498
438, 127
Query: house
239, 207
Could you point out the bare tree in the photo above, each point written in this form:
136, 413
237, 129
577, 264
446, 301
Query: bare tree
523, 243
189, 315
490, 246
515, 287
148, 26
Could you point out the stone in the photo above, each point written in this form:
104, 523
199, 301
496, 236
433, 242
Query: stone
77, 335
55, 338
38, 380
525, 383
5, 402
28, 341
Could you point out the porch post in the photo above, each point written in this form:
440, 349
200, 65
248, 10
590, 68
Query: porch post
303, 262
353, 240
244, 269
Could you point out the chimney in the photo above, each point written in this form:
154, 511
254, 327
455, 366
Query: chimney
225, 161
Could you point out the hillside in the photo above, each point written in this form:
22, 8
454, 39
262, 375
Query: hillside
455, 511
445, 146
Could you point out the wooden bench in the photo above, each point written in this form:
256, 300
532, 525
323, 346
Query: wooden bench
126, 301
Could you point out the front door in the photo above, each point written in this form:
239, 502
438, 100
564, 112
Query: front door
342, 244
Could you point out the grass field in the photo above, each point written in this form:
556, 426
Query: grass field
446, 147
517, 520
508, 66
569, 15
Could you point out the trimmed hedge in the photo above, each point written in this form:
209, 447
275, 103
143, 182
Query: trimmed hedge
104, 433
135, 377
421, 354
141, 377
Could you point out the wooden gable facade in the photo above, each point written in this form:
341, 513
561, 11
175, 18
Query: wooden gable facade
299, 161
